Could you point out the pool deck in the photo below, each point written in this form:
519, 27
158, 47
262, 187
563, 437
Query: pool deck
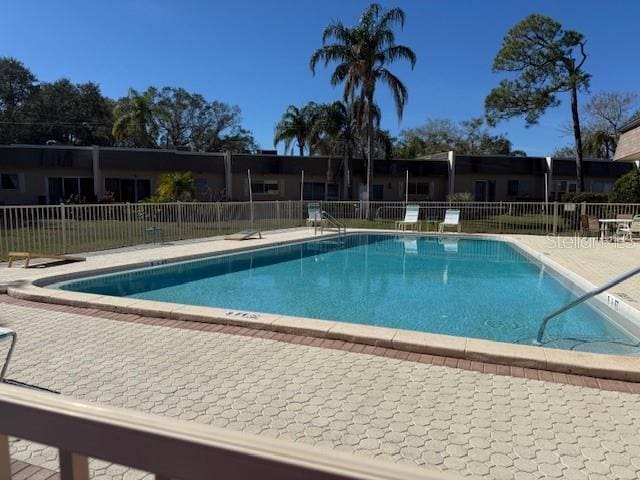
474, 419
429, 411
610, 258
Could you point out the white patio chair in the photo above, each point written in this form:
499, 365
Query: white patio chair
626, 232
410, 218
314, 217
451, 219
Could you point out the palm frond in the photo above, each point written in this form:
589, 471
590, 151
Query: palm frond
337, 31
330, 53
399, 52
340, 73
398, 90
391, 17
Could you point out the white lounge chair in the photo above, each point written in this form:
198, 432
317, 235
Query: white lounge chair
314, 217
245, 234
627, 231
451, 219
410, 219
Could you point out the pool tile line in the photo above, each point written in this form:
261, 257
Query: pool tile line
438, 360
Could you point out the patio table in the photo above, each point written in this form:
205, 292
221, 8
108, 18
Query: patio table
605, 224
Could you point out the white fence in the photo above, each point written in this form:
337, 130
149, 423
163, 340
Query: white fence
81, 228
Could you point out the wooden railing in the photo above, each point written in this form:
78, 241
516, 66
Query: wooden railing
171, 448
58, 229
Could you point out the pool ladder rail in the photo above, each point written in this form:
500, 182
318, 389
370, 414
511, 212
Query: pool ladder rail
331, 220
611, 283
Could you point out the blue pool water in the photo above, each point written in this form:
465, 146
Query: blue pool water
465, 287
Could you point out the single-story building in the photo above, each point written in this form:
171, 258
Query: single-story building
49, 174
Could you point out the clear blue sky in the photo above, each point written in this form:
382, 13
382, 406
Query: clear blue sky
255, 53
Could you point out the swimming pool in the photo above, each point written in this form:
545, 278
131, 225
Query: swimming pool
465, 287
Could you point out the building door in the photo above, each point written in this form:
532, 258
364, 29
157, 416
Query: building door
56, 193
480, 191
491, 193
378, 193
128, 190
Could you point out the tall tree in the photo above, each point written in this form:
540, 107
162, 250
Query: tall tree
469, 137
69, 114
188, 120
608, 110
176, 112
17, 84
219, 129
362, 54
297, 124
547, 60
602, 116
605, 112
135, 122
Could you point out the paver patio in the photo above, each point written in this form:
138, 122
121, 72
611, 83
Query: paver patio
479, 425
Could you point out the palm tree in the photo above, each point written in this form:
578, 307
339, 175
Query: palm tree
339, 131
135, 123
362, 54
297, 124
599, 143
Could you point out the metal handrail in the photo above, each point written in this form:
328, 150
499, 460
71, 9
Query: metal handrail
332, 220
615, 281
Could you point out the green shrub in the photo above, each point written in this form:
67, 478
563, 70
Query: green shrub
175, 187
627, 188
585, 197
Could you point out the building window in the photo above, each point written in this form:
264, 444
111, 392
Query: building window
62, 189
128, 189
601, 187
419, 188
320, 191
333, 191
313, 191
564, 186
9, 181
265, 187
202, 186
518, 188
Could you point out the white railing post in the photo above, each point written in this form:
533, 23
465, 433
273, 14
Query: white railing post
179, 208
73, 466
129, 225
218, 219
555, 218
63, 224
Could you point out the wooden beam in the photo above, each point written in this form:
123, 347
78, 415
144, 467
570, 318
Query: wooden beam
73, 466
5, 458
